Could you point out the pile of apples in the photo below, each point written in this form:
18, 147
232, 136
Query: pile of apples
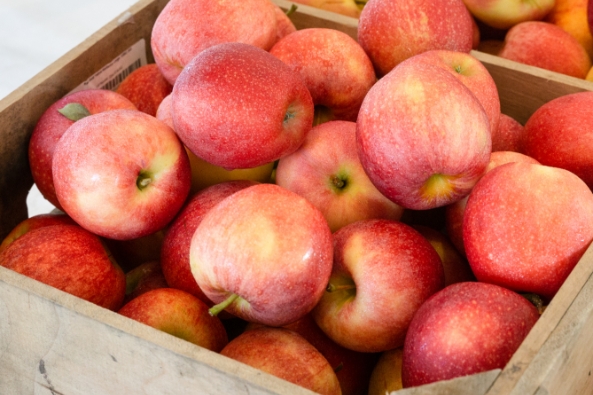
353, 216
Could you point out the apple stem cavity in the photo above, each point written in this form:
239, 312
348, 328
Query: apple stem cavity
217, 308
144, 179
536, 300
338, 182
74, 111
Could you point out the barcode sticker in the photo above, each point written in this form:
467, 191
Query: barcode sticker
113, 73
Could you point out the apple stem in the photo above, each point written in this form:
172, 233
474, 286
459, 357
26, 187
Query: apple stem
217, 308
333, 288
143, 180
291, 10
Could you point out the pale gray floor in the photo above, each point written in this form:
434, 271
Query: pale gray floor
35, 33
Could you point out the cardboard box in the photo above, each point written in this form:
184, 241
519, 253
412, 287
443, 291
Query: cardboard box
54, 343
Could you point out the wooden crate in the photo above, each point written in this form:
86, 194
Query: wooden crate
54, 343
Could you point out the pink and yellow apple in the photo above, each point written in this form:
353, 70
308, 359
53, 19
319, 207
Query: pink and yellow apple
54, 122
184, 28
179, 314
423, 137
393, 30
121, 174
336, 69
526, 226
547, 46
263, 254
326, 171
34, 222
284, 354
571, 15
466, 328
237, 106
560, 134
382, 273
387, 373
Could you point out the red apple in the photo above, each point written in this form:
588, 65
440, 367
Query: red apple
184, 28
504, 14
264, 254
326, 171
238, 106
54, 122
473, 74
382, 272
547, 46
352, 368
284, 354
179, 314
143, 278
121, 174
174, 256
526, 226
423, 137
69, 258
34, 222
509, 136
560, 134
336, 70
391, 31
204, 174
454, 211
146, 88
466, 328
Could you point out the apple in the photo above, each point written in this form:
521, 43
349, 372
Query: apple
473, 74
264, 254
343, 7
382, 272
143, 278
204, 174
53, 123
326, 171
71, 259
336, 70
423, 137
352, 368
455, 265
454, 212
571, 15
237, 106
179, 314
391, 31
284, 354
184, 28
559, 133
387, 373
504, 14
34, 222
121, 174
174, 256
466, 328
547, 46
509, 135
526, 226
146, 88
